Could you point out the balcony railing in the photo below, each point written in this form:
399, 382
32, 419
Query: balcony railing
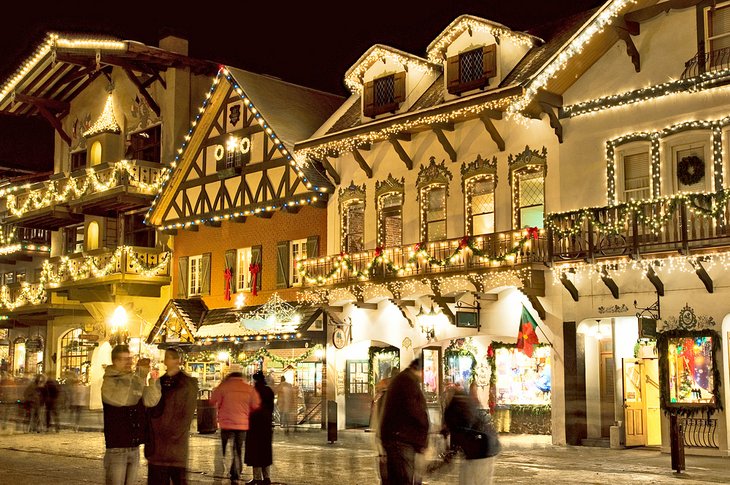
22, 294
702, 62
497, 250
126, 262
14, 240
681, 223
144, 177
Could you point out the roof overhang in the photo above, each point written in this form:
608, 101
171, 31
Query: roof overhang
354, 75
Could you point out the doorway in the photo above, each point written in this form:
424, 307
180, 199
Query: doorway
641, 402
357, 394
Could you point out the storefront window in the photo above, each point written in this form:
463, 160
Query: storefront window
522, 379
75, 355
431, 378
691, 370
460, 370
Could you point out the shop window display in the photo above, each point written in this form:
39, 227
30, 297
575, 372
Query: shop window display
431, 381
522, 379
691, 376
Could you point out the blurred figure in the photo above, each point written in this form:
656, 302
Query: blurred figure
167, 448
33, 401
286, 402
124, 396
404, 426
381, 390
51, 395
76, 400
259, 454
235, 400
472, 433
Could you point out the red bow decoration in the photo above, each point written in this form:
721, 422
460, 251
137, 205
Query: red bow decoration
533, 233
255, 269
378, 251
464, 242
227, 275
490, 351
417, 247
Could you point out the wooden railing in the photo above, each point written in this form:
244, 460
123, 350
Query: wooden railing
677, 224
503, 249
127, 260
144, 176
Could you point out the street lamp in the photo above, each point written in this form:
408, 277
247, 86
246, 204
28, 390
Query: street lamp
118, 322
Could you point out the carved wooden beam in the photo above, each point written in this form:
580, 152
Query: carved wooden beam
292, 209
402, 136
401, 152
401, 306
537, 305
264, 214
625, 35
331, 170
441, 302
443, 126
610, 283
648, 13
210, 223
445, 143
362, 163
492, 130
655, 280
703, 276
552, 113
366, 306
192, 228
142, 91
239, 219
171, 232
569, 286
49, 104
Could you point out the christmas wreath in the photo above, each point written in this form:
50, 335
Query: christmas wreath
690, 170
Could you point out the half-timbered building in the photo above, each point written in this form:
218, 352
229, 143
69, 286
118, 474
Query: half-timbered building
243, 211
75, 246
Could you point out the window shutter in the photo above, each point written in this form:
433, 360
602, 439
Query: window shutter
182, 277
452, 74
282, 264
368, 99
313, 247
231, 263
205, 274
257, 257
400, 87
489, 59
111, 232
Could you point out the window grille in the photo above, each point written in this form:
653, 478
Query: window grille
384, 91
471, 65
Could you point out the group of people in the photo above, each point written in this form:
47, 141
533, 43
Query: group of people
140, 409
403, 431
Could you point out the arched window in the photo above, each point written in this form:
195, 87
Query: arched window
95, 153
433, 189
18, 356
479, 181
389, 201
75, 355
527, 175
92, 236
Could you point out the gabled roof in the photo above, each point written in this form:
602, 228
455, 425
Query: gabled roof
436, 49
295, 112
285, 110
63, 64
353, 76
190, 311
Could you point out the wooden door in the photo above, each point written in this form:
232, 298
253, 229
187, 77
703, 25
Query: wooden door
634, 405
608, 386
357, 394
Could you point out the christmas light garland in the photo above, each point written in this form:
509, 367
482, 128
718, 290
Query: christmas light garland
378, 52
417, 255
264, 353
107, 122
74, 188
28, 295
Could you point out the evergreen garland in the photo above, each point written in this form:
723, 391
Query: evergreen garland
681, 409
378, 351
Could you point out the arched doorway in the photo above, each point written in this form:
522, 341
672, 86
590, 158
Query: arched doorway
75, 355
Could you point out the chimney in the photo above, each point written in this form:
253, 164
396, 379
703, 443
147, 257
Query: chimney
174, 44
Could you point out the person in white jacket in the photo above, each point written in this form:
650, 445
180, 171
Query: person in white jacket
125, 395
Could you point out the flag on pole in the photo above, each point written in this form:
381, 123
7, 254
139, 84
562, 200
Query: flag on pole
526, 337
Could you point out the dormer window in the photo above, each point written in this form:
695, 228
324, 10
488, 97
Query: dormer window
384, 94
471, 69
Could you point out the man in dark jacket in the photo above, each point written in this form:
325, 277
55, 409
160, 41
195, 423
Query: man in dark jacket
125, 396
167, 447
259, 454
404, 426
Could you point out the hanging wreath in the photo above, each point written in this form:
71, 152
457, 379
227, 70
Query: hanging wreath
690, 170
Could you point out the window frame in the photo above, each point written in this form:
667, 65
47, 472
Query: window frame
689, 143
243, 274
295, 279
517, 188
468, 201
79, 246
345, 222
197, 262
383, 211
131, 230
620, 155
425, 206
706, 30
138, 150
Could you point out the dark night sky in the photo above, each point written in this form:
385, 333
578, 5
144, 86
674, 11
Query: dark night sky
310, 42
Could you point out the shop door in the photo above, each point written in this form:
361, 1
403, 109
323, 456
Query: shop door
357, 394
651, 393
634, 405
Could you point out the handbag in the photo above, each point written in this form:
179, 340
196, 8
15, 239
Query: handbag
480, 444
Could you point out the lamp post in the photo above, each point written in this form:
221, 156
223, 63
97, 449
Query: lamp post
118, 322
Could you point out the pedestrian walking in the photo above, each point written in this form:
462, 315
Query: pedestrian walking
286, 402
167, 445
376, 415
125, 396
404, 425
259, 454
33, 403
76, 400
472, 433
51, 395
235, 400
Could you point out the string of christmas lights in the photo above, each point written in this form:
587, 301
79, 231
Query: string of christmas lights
28, 295
354, 75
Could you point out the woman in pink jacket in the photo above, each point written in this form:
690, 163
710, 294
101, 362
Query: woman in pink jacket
235, 399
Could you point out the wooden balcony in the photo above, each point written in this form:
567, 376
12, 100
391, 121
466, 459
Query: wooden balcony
682, 223
103, 190
482, 253
131, 266
22, 243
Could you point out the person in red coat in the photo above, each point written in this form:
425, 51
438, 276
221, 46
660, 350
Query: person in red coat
235, 400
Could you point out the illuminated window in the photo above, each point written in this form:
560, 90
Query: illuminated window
636, 176
95, 153
75, 355
145, 145
691, 372
530, 198
195, 271
74, 239
298, 250
243, 273
92, 241
390, 219
78, 160
480, 205
717, 33
354, 227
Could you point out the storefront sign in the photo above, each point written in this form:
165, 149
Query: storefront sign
467, 319
89, 337
34, 344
